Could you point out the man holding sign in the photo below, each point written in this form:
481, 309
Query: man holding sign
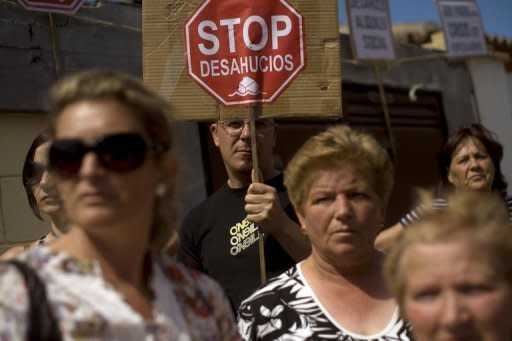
244, 57
244, 52
220, 236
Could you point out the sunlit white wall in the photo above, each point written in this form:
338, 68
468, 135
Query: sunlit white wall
493, 93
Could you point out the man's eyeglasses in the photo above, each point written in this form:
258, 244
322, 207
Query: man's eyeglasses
120, 153
234, 127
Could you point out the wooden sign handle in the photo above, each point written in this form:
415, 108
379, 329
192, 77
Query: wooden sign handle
256, 177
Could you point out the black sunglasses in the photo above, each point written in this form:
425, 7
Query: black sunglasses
120, 153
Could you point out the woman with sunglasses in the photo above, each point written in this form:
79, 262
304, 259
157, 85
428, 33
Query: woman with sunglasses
41, 193
115, 173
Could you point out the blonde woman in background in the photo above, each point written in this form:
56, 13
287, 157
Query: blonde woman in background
451, 272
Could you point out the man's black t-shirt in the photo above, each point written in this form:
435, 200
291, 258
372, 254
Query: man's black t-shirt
215, 238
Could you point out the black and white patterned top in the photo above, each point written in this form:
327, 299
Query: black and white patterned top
286, 308
416, 212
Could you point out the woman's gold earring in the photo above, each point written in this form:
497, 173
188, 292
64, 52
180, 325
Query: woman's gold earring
160, 190
303, 230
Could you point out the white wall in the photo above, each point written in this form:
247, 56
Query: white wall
493, 93
509, 82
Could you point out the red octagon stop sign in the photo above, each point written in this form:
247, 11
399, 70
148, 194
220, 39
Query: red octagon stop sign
62, 6
245, 51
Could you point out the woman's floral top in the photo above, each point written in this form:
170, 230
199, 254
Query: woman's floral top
187, 305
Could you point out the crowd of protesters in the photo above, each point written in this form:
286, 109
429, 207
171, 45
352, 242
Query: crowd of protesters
104, 172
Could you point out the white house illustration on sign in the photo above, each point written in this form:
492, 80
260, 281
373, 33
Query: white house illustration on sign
247, 86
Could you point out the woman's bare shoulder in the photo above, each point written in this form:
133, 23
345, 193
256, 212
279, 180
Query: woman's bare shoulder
13, 252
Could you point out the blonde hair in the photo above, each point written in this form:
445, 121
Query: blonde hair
151, 111
481, 217
331, 148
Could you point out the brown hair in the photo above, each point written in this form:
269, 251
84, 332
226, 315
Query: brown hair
28, 171
490, 143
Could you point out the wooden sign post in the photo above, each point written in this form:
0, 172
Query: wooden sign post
372, 41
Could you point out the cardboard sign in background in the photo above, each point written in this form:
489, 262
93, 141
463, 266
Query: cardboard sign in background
316, 92
60, 6
370, 28
462, 27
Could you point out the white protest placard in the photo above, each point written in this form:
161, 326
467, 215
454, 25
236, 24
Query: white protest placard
58, 6
370, 29
462, 26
